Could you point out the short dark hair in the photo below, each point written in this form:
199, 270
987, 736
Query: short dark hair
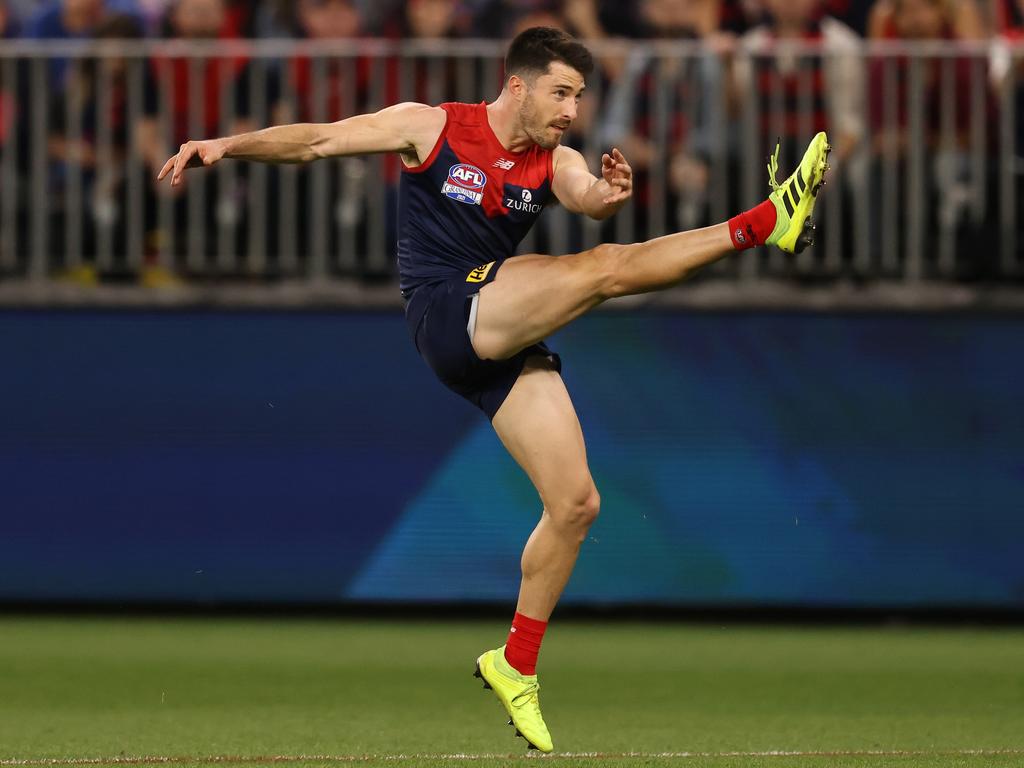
533, 50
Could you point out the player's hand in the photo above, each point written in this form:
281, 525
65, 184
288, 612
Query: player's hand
191, 154
618, 175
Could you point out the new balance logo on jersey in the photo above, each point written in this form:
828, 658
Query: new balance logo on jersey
464, 184
505, 165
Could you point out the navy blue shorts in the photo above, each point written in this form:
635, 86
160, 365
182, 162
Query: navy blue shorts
438, 317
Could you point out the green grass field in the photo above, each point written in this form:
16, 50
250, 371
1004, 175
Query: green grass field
201, 692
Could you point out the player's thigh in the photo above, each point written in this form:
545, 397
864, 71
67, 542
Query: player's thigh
537, 423
533, 296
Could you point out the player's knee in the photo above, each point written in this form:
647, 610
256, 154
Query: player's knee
609, 260
578, 511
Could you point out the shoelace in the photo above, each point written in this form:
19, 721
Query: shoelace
773, 168
530, 695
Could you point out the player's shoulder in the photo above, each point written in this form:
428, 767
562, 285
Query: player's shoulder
416, 114
464, 112
566, 157
420, 124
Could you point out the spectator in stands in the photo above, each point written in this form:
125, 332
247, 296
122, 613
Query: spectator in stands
12, 122
543, 17
329, 19
190, 91
17, 12
190, 97
920, 20
948, 167
8, 98
100, 170
1009, 27
344, 80
240, 21
8, 21
431, 19
500, 18
778, 81
1008, 23
427, 79
794, 94
1008, 18
326, 90
692, 108
801, 94
926, 19
63, 19
593, 20
68, 19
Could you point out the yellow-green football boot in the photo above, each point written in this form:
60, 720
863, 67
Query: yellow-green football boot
794, 198
520, 694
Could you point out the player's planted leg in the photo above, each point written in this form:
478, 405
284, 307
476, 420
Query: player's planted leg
537, 424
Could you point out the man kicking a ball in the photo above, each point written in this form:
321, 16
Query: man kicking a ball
475, 178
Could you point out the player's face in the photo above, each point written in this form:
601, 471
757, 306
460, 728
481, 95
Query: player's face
549, 106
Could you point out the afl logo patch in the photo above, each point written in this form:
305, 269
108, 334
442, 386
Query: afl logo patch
464, 184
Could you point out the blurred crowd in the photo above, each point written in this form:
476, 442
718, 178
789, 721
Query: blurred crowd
707, 96
590, 19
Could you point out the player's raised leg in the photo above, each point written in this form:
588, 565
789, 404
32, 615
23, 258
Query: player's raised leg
533, 295
537, 424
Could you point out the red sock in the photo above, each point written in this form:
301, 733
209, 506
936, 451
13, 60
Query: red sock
524, 643
752, 227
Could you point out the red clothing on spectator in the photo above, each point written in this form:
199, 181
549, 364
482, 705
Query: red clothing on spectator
933, 80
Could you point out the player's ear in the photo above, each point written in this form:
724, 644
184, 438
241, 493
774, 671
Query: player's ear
517, 87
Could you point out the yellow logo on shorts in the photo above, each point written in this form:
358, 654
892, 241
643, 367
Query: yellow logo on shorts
479, 274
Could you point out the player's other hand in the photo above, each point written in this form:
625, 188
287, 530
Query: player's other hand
191, 154
618, 175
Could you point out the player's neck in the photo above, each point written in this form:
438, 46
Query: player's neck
502, 117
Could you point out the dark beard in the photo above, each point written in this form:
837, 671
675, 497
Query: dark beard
544, 143
536, 135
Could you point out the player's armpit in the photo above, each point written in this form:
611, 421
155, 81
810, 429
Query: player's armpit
408, 128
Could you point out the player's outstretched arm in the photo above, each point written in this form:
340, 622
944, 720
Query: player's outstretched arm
409, 129
581, 192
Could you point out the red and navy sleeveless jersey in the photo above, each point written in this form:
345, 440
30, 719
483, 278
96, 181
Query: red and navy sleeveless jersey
470, 202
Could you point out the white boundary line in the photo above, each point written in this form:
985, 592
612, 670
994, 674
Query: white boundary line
269, 759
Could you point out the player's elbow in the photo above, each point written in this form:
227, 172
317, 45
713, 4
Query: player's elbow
318, 149
324, 141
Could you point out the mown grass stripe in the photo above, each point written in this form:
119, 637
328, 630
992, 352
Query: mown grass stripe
271, 759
